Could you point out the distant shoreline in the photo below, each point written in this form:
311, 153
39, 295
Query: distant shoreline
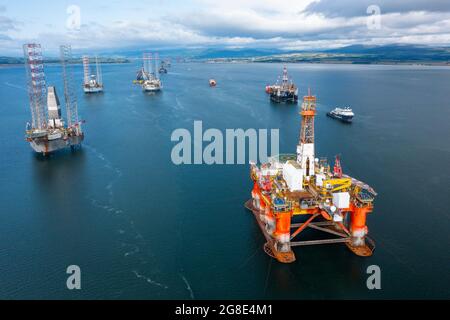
2, 65
225, 61
346, 62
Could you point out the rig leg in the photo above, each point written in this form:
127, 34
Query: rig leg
359, 231
271, 247
282, 238
269, 220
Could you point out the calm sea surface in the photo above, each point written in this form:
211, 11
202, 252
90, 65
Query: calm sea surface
141, 227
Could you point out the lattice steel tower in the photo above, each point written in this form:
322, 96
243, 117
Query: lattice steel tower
86, 69
69, 92
37, 87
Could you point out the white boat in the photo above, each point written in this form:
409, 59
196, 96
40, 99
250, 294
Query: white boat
343, 114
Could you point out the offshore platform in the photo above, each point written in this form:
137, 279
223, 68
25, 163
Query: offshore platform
47, 131
285, 91
151, 82
93, 83
293, 186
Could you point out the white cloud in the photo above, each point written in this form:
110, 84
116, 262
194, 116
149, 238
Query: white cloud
296, 24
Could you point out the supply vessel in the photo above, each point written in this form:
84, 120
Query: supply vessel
343, 114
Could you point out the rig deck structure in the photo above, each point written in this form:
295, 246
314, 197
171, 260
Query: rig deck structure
299, 185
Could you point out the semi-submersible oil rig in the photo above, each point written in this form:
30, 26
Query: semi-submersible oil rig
295, 186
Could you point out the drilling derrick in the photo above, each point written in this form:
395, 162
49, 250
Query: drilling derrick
305, 149
37, 87
285, 79
302, 187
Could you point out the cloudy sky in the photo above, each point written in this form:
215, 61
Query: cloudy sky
284, 24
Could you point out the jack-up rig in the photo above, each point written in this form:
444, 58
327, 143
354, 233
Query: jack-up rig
151, 82
47, 131
93, 83
293, 186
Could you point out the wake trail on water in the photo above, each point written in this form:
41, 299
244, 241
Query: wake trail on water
188, 286
149, 280
179, 105
14, 86
136, 248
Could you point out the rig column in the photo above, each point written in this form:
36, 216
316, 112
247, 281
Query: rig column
283, 231
269, 220
255, 195
358, 226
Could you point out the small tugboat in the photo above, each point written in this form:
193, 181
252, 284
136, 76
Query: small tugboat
212, 83
162, 68
285, 92
343, 114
